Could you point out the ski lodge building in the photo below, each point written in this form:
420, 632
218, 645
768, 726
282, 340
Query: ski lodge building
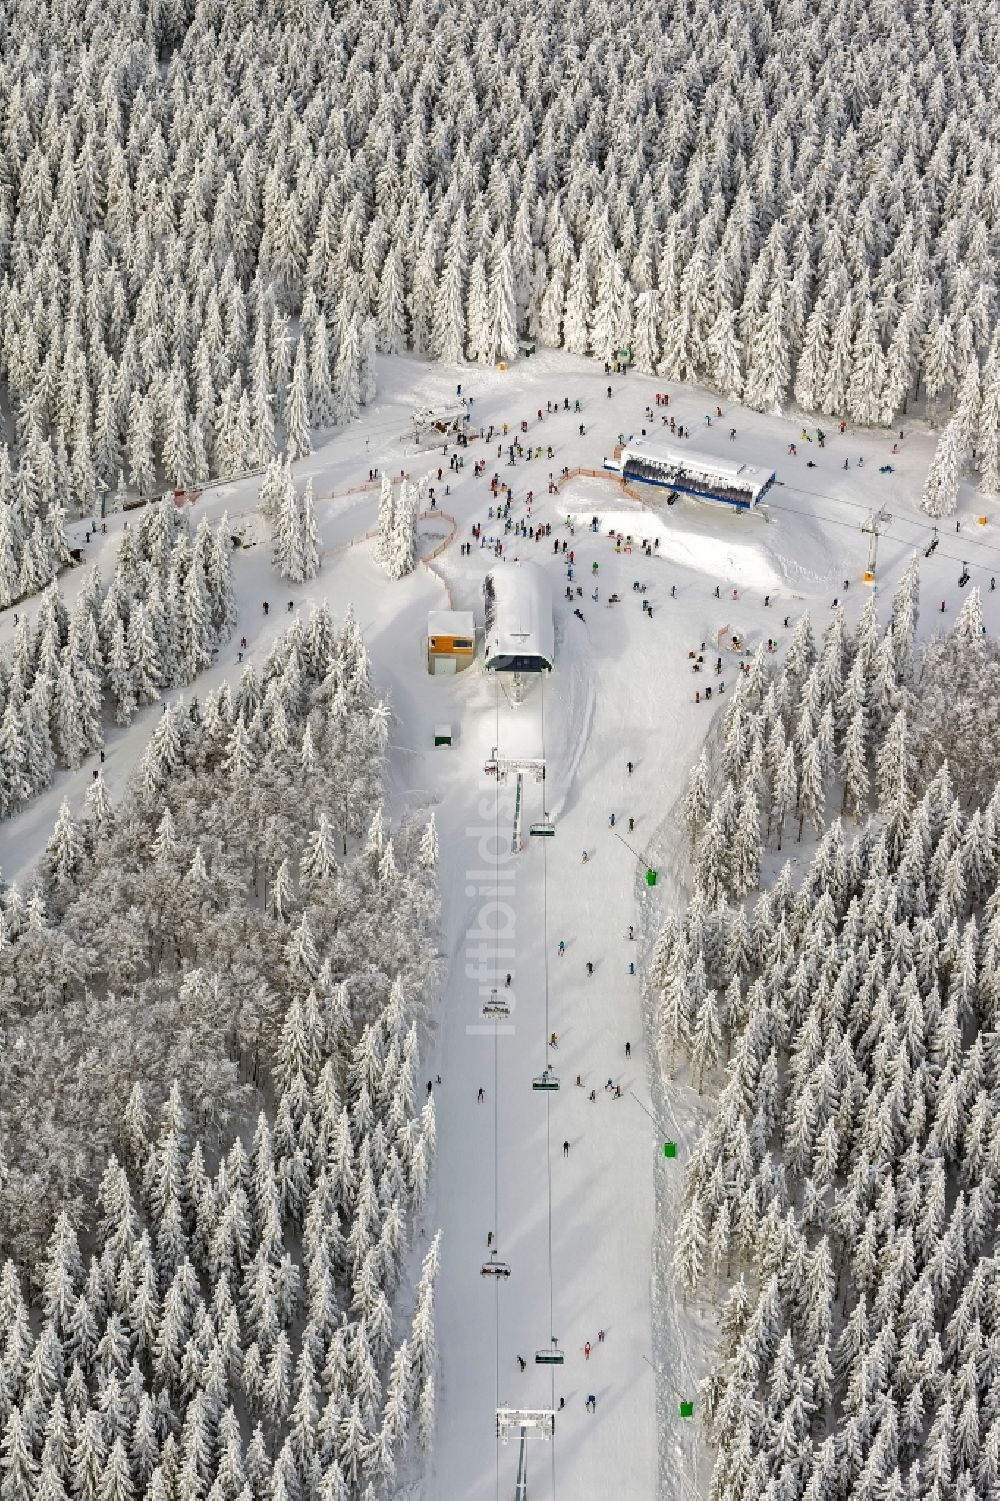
451, 640
520, 636
686, 472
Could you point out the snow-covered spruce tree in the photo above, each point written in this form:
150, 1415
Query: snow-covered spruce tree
940, 496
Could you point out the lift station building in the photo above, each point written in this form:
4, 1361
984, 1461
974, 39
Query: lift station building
685, 472
520, 636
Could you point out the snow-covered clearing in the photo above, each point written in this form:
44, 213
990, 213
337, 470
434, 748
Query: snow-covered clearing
578, 1231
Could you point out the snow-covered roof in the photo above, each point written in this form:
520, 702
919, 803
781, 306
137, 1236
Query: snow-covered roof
698, 465
451, 623
427, 416
519, 632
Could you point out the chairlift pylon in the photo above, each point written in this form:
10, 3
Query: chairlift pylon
545, 1080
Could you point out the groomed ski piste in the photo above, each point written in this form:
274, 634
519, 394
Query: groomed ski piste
585, 1228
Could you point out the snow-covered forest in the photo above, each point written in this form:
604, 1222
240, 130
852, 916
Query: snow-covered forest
840, 1204
217, 949
212, 216
168, 606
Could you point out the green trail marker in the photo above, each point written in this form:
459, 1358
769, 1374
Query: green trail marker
687, 1409
651, 878
670, 1149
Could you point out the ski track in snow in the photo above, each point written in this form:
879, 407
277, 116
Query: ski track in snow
621, 689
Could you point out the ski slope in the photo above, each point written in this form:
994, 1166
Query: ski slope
587, 1236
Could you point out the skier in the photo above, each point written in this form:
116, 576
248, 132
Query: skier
554, 1040
507, 981
628, 1050
522, 1363
565, 1148
631, 825
591, 1403
562, 1403
611, 820
628, 767
732, 434
481, 1096
600, 1336
593, 1096
585, 858
267, 607
631, 968
586, 1350
631, 931
562, 943
430, 1086
609, 393
489, 1239
590, 966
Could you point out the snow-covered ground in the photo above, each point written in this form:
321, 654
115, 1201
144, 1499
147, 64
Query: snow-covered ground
578, 1231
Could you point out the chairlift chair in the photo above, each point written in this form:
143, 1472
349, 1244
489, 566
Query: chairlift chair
964, 576
496, 1006
545, 1080
552, 1356
544, 829
494, 1268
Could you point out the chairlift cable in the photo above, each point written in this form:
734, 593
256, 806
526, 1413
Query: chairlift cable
548, 1101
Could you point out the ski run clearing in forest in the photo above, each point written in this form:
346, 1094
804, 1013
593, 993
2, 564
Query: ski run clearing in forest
590, 1236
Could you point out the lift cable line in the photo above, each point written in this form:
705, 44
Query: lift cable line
548, 1106
528, 1423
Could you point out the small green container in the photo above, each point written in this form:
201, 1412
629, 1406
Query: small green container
670, 1149
687, 1409
651, 878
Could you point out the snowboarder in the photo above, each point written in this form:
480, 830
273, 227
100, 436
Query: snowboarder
565, 1148
631, 968
481, 1096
